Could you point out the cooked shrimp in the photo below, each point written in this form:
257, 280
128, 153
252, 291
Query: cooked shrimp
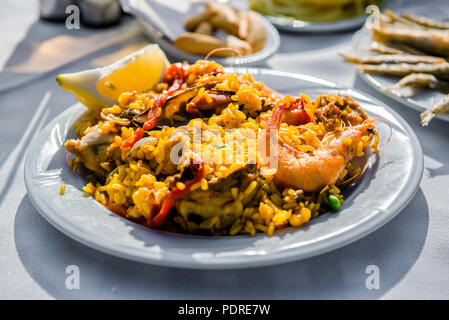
312, 171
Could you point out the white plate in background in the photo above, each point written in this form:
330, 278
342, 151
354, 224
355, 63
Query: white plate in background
153, 15
436, 9
294, 25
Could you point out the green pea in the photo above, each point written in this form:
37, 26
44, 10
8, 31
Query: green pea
333, 202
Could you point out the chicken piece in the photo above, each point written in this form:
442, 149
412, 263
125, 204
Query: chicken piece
92, 149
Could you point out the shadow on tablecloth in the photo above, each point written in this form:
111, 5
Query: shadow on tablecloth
394, 248
48, 46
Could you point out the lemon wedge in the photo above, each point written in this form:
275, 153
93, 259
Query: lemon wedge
95, 88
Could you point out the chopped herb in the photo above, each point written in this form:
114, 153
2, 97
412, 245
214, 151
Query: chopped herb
221, 146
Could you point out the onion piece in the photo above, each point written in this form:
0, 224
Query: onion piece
140, 143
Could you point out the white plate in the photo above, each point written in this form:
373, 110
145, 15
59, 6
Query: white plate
390, 181
425, 98
166, 13
294, 25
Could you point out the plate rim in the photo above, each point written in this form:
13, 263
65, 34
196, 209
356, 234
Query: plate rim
288, 255
316, 27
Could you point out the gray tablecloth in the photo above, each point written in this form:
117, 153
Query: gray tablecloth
411, 252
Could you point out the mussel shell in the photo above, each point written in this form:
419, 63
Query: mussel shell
178, 101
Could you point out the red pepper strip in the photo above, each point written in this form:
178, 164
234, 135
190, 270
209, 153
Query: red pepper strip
159, 220
130, 141
67, 159
296, 114
175, 71
175, 77
153, 115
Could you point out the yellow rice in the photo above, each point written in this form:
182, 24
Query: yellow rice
143, 177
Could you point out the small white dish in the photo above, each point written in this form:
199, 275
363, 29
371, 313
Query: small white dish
153, 14
390, 181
